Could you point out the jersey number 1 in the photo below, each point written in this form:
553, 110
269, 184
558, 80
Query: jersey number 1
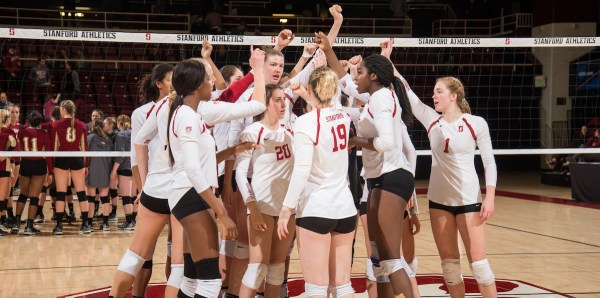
341, 135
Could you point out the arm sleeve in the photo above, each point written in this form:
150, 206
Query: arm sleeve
235, 130
424, 113
354, 113
303, 158
241, 170
348, 86
218, 112
137, 121
302, 77
384, 124
484, 143
190, 148
409, 150
233, 92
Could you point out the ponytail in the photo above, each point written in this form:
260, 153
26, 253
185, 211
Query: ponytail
402, 97
97, 128
464, 106
176, 103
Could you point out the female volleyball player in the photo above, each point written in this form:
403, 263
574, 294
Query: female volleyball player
49, 185
319, 191
387, 170
8, 142
271, 165
34, 170
69, 134
455, 201
15, 125
98, 177
122, 168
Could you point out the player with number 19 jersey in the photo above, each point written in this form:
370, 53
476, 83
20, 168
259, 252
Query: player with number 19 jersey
321, 157
271, 166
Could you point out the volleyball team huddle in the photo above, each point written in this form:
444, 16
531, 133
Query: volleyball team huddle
238, 177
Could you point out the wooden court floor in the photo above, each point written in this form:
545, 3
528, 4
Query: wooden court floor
555, 246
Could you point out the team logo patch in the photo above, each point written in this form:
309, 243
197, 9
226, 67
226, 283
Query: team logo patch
460, 128
188, 129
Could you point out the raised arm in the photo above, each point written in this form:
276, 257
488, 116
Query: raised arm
205, 53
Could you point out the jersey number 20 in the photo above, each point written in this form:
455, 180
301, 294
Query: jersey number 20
283, 152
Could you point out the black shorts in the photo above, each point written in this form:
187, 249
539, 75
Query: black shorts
69, 163
326, 225
156, 205
399, 182
456, 210
124, 172
221, 181
4, 174
33, 167
363, 210
191, 202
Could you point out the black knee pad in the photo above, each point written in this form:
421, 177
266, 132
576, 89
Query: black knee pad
113, 193
33, 201
90, 199
44, 189
53, 192
60, 196
189, 270
81, 195
22, 199
147, 264
105, 200
208, 269
127, 200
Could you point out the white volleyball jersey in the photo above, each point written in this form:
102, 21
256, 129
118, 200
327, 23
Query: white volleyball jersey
319, 185
158, 180
348, 86
138, 117
454, 181
271, 166
380, 119
193, 149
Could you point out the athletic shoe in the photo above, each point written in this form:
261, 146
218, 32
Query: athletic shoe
58, 230
127, 226
2, 233
4, 228
85, 229
30, 230
104, 227
16, 227
113, 218
72, 216
39, 219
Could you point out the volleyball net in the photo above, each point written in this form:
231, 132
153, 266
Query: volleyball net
535, 93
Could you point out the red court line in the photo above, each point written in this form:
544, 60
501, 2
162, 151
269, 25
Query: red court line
536, 198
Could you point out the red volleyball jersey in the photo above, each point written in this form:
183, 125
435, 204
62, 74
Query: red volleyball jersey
36, 139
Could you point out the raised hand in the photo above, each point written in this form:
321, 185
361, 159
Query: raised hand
322, 41
206, 49
299, 90
284, 38
336, 13
319, 59
309, 50
257, 58
386, 48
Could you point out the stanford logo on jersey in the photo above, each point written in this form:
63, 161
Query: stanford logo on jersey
460, 128
188, 129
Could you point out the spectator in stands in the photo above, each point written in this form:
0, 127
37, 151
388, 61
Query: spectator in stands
82, 64
240, 29
580, 137
594, 141
96, 114
70, 83
40, 74
398, 7
257, 31
4, 103
12, 67
49, 104
213, 20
